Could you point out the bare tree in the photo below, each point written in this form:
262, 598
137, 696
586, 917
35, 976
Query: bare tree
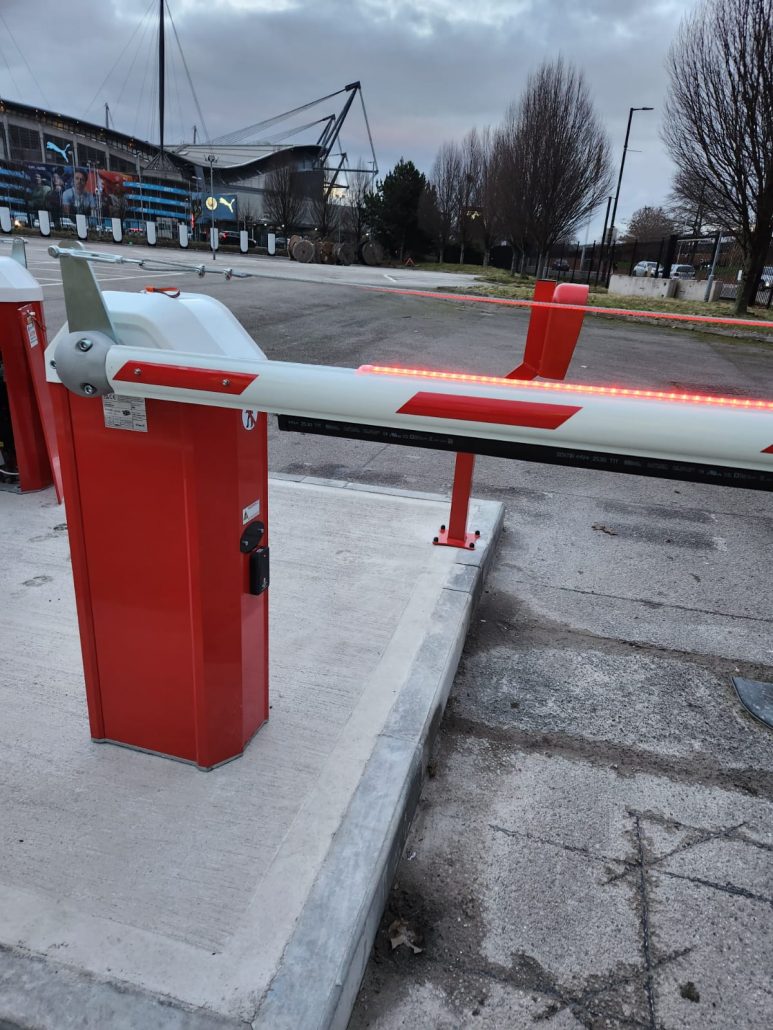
248, 213
282, 202
686, 205
649, 223
359, 185
488, 221
468, 189
325, 212
719, 122
444, 179
510, 187
563, 153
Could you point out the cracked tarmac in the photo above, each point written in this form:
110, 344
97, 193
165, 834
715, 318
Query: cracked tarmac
595, 845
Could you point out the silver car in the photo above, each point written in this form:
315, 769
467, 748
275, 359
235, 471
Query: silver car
649, 268
682, 272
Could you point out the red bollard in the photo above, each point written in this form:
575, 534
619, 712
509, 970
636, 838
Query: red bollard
27, 439
550, 342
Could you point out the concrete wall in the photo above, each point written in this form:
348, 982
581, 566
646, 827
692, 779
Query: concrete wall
689, 289
642, 286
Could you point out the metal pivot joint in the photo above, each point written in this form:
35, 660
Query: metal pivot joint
80, 363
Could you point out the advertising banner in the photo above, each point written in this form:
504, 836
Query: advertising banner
66, 191
221, 207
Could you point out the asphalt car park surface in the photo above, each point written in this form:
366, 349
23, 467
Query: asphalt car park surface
594, 845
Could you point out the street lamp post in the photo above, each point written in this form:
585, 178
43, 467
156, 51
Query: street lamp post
619, 181
212, 204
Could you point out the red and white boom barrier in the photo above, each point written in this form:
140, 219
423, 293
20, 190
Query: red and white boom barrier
649, 432
167, 490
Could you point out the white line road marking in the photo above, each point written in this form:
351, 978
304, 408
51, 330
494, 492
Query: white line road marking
115, 278
390, 277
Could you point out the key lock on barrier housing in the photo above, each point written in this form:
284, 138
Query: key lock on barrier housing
249, 544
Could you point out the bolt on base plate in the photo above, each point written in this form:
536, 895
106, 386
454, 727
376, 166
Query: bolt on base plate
468, 542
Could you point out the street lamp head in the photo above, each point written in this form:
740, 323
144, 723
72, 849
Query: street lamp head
643, 109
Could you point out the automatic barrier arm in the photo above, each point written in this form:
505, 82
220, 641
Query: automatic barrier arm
714, 439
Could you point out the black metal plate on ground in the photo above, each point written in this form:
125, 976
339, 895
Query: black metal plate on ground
756, 697
636, 465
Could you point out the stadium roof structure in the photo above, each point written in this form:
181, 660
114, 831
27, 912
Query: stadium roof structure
254, 143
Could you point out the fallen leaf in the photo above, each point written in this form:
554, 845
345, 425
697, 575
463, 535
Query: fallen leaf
401, 932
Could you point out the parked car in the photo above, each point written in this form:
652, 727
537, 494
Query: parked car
560, 265
230, 237
682, 272
766, 279
648, 268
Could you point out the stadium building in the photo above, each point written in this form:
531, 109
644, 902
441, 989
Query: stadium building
64, 167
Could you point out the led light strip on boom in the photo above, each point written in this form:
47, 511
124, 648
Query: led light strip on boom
711, 439
723, 440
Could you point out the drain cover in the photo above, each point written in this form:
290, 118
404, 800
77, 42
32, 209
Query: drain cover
756, 697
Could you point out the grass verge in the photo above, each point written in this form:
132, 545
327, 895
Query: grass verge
496, 282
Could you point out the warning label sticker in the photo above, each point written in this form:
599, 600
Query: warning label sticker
125, 413
250, 512
32, 334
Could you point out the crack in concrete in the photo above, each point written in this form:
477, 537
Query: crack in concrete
522, 628
527, 974
371, 459
623, 759
704, 837
654, 861
724, 888
573, 848
733, 832
649, 603
645, 925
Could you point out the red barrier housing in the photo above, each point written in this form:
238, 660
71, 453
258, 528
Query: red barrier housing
29, 458
174, 635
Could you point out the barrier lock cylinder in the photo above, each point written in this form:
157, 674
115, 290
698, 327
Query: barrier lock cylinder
249, 544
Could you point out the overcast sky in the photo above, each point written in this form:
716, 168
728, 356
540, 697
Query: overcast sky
430, 69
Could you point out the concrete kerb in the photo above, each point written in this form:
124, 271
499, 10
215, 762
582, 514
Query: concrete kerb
316, 980
325, 960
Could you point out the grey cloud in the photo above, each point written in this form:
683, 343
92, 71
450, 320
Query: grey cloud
425, 78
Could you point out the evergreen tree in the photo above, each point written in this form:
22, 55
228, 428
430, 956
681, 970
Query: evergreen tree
393, 210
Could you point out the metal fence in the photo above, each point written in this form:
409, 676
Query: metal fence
594, 262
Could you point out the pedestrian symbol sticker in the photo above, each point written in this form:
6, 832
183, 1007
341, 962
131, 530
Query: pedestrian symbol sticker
249, 418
